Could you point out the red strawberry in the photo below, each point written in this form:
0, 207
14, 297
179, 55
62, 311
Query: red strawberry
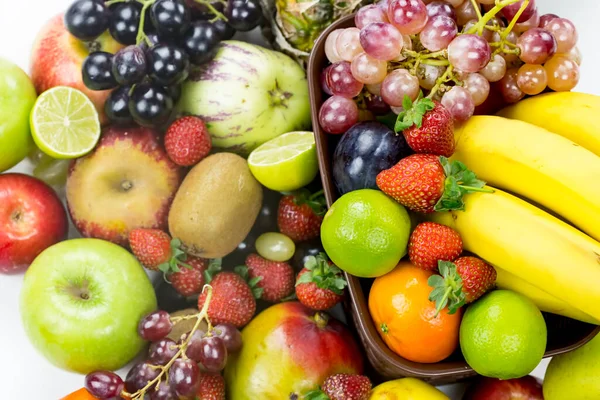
427, 183
187, 141
155, 249
342, 387
233, 300
427, 126
211, 387
461, 282
275, 278
320, 285
300, 215
431, 242
190, 278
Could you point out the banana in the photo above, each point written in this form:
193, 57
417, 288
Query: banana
544, 301
576, 116
532, 245
536, 164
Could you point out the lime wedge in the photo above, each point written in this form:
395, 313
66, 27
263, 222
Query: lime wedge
285, 163
64, 123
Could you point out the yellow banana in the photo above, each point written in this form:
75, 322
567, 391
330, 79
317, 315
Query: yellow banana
531, 244
544, 301
536, 164
576, 116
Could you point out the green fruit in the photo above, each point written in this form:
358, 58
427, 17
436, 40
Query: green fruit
275, 246
215, 206
17, 96
503, 335
575, 375
247, 95
81, 303
365, 233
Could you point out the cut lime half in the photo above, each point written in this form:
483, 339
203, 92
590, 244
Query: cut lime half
64, 123
285, 163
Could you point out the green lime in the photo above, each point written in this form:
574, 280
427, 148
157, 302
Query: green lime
285, 163
64, 123
365, 233
503, 335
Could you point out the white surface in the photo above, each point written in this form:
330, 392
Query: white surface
24, 374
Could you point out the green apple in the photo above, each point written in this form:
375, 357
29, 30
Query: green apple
17, 96
81, 303
575, 375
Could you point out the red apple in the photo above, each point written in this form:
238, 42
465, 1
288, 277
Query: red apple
525, 388
57, 57
289, 350
127, 182
32, 218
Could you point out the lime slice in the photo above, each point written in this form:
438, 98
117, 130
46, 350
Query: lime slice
64, 123
285, 163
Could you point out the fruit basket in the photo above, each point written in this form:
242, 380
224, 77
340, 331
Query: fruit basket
564, 334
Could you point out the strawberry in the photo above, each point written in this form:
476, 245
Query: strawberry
187, 141
211, 387
300, 215
276, 278
431, 242
320, 285
426, 183
427, 126
233, 300
156, 250
190, 280
461, 282
342, 387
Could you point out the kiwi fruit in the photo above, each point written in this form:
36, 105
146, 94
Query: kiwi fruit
215, 206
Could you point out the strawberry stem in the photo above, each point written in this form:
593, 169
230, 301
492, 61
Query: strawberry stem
476, 189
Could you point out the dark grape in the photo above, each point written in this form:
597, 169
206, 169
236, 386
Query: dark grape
170, 17
225, 30
155, 326
213, 354
365, 150
154, 39
104, 384
376, 105
150, 104
201, 42
164, 392
139, 376
97, 71
161, 352
168, 65
87, 19
129, 65
243, 15
194, 347
124, 22
116, 106
184, 377
201, 11
230, 335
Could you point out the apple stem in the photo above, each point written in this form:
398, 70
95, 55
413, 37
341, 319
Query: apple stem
321, 319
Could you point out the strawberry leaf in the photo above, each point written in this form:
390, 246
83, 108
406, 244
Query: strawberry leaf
214, 267
323, 274
242, 271
316, 395
304, 278
447, 288
413, 113
459, 182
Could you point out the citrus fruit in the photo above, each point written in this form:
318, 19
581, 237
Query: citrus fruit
64, 123
365, 233
406, 389
285, 163
405, 318
503, 335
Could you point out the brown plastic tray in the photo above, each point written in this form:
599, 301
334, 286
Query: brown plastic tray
564, 334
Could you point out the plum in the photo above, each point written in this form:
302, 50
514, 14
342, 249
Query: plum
365, 150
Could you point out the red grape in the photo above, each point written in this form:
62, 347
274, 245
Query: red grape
564, 32
368, 14
155, 326
478, 87
465, 12
437, 7
139, 376
397, 84
438, 33
341, 81
376, 105
367, 69
348, 44
429, 74
537, 46
104, 384
381, 41
511, 10
459, 102
164, 392
409, 16
563, 73
161, 352
532, 79
184, 377
509, 87
469, 53
495, 69
212, 354
338, 114
323, 79
545, 19
574, 55
231, 336
531, 23
331, 48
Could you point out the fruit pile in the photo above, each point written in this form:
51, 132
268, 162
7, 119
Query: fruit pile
451, 51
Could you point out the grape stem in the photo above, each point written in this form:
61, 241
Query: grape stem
478, 27
202, 315
111, 2
141, 35
478, 11
512, 24
448, 75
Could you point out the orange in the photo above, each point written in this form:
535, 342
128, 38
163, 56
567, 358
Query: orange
404, 316
81, 394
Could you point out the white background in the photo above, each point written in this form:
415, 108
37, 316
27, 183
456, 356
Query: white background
24, 374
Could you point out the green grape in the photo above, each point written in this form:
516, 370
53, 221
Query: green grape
275, 246
51, 171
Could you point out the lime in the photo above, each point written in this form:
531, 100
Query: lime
365, 233
64, 123
285, 163
503, 335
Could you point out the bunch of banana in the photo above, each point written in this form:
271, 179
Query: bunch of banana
576, 116
551, 262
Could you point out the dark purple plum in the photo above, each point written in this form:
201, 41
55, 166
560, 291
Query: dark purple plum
364, 151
